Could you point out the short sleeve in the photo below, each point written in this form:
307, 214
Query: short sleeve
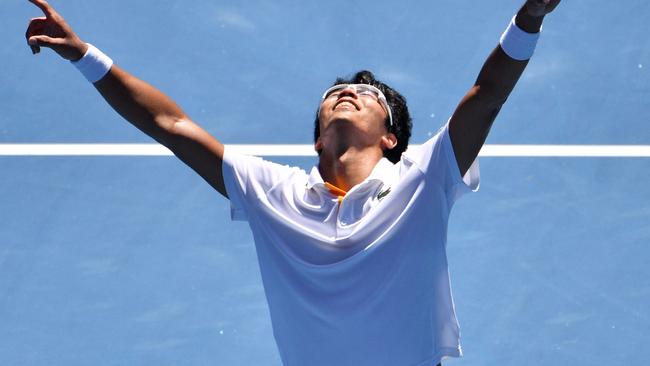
437, 160
248, 177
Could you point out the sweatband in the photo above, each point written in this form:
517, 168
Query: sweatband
518, 43
94, 64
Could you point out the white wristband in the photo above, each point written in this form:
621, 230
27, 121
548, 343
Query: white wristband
518, 43
94, 65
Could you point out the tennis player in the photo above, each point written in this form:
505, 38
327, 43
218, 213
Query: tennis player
352, 253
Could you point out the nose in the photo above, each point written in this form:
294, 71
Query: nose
349, 91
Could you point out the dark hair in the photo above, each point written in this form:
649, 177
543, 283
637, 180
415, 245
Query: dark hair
401, 117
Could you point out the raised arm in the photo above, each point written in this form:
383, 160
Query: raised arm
471, 122
141, 104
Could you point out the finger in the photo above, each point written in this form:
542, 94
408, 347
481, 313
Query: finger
44, 41
44, 6
35, 27
540, 3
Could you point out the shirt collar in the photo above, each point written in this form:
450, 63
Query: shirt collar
384, 173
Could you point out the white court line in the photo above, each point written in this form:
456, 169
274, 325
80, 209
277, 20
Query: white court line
630, 151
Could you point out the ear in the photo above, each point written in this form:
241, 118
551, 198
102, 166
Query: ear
318, 145
388, 141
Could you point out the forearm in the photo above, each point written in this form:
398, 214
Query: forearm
473, 118
144, 106
500, 72
158, 116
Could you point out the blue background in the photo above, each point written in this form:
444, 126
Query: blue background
133, 260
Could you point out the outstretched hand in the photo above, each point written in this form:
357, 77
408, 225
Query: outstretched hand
53, 32
538, 8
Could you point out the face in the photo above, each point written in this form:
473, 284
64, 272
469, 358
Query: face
362, 91
361, 105
354, 114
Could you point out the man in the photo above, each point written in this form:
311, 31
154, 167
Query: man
352, 254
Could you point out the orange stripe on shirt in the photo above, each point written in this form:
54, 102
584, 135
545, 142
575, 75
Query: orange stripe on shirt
336, 191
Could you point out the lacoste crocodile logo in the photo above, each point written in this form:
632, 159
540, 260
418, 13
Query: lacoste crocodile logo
383, 194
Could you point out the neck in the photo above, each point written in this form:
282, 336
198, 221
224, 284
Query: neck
350, 167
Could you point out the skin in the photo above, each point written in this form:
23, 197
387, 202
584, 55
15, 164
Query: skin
353, 135
352, 139
473, 118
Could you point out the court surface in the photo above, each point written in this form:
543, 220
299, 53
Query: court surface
133, 260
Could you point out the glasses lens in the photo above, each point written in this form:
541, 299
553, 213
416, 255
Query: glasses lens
359, 89
367, 90
334, 91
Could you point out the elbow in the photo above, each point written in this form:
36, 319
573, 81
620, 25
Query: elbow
168, 123
170, 128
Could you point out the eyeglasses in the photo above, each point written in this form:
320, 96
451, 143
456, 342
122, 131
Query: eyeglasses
362, 90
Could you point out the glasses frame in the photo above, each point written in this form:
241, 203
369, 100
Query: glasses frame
381, 98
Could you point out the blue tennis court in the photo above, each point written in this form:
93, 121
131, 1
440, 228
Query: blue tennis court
133, 260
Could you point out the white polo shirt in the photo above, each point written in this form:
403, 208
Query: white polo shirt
363, 281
